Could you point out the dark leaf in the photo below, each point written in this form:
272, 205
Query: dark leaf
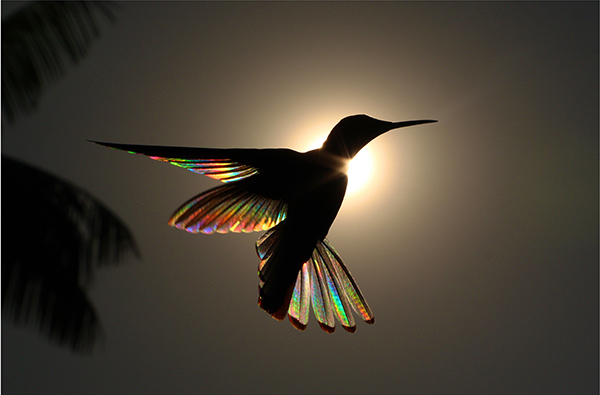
54, 237
39, 41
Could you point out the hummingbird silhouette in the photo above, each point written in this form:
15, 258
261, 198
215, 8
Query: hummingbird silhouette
294, 197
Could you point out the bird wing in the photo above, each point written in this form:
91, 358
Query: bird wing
238, 206
228, 208
323, 282
225, 165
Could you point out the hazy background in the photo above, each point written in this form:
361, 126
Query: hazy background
476, 243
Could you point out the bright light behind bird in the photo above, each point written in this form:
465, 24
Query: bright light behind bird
359, 171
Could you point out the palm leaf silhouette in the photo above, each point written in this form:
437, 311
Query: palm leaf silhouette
54, 236
38, 43
55, 233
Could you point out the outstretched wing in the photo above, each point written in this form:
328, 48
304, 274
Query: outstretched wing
324, 283
228, 208
224, 170
237, 207
226, 165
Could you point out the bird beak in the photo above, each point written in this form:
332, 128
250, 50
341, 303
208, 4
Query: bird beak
352, 133
396, 125
387, 126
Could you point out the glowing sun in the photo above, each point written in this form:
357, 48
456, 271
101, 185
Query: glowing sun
359, 171
360, 168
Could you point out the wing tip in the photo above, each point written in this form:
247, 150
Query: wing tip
370, 321
122, 147
100, 143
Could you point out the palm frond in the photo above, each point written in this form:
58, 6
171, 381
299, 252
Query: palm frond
54, 237
39, 41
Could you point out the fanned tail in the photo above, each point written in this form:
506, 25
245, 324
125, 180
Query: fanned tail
281, 257
323, 282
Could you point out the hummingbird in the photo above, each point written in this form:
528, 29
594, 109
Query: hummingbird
295, 198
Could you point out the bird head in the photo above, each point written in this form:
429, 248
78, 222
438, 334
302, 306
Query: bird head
352, 133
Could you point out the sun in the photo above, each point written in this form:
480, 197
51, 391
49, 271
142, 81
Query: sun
360, 169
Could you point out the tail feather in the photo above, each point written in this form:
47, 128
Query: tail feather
297, 324
322, 282
281, 259
348, 284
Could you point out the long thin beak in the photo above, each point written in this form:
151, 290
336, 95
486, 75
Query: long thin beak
385, 126
396, 125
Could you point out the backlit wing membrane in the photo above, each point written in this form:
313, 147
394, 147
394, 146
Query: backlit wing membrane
225, 170
212, 162
228, 208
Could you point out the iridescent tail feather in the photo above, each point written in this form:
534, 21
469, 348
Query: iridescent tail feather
323, 282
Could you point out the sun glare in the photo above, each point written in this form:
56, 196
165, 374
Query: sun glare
359, 170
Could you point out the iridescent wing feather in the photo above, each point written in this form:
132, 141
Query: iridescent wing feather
212, 162
224, 170
228, 208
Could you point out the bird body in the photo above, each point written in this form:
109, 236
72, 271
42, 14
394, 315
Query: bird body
295, 197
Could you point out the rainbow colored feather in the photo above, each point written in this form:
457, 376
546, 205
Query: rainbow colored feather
225, 170
228, 208
323, 282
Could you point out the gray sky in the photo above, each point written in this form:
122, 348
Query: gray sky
476, 243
